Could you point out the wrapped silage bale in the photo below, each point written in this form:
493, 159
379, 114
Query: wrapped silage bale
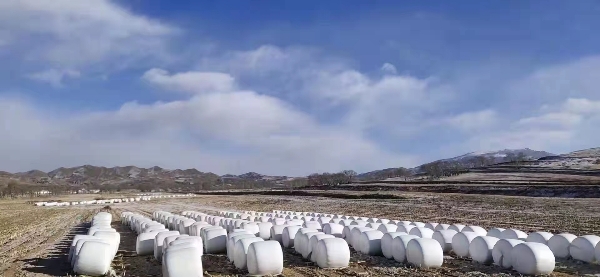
583, 248
541, 237
369, 243
475, 229
346, 222
355, 235
513, 234
240, 251
300, 240
374, 226
304, 243
481, 249
461, 242
383, 221
405, 228
158, 242
264, 230
278, 221
184, 226
312, 245
204, 229
276, 233
74, 243
347, 233
559, 245
332, 253
313, 225
456, 227
532, 258
501, 253
418, 224
404, 222
399, 245
288, 235
431, 225
94, 258
144, 244
231, 245
444, 238
251, 227
424, 253
421, 232
333, 229
188, 240
495, 232
387, 228
264, 258
295, 222
79, 245
170, 239
114, 238
183, 262
195, 228
387, 241
442, 226
359, 223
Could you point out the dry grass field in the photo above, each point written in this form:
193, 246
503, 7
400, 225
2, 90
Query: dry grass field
33, 240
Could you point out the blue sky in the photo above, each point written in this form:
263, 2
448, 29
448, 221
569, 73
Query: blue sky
293, 87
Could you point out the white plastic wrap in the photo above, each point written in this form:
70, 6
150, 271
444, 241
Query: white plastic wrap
312, 245
369, 243
240, 251
158, 242
495, 232
583, 248
421, 232
387, 228
399, 245
481, 248
532, 258
513, 234
444, 238
288, 235
333, 229
386, 243
475, 229
215, 241
424, 253
183, 262
559, 245
265, 258
541, 237
264, 230
94, 258
332, 253
461, 242
501, 252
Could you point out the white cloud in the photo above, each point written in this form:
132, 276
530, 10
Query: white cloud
191, 82
54, 76
388, 68
473, 121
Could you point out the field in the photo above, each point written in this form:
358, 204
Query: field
33, 240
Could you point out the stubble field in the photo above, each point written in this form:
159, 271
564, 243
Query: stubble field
34, 240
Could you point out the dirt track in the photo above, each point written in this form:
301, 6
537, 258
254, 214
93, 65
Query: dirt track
38, 247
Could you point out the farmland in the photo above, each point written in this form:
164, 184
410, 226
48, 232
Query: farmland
33, 240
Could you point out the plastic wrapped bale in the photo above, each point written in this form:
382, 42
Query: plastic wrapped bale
583, 248
288, 235
431, 225
541, 237
359, 223
76, 239
187, 240
424, 253
305, 243
277, 232
461, 242
475, 229
313, 225
333, 229
383, 221
369, 243
421, 232
215, 241
456, 227
300, 240
204, 229
312, 245
495, 232
355, 235
387, 228
240, 250
372, 220
184, 226
405, 228
94, 258
264, 230
502, 250
559, 245
418, 224
183, 262
324, 220
170, 239
346, 222
158, 242
332, 253
386, 243
399, 245
444, 238
278, 221
513, 234
264, 258
295, 222
144, 244
481, 249
441, 227
532, 258
347, 233
113, 237
195, 228
374, 226
251, 227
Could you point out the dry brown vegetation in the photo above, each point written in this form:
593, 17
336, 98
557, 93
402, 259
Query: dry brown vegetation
33, 239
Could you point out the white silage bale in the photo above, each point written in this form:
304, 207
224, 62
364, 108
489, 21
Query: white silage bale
195, 228
399, 245
476, 229
154, 228
158, 242
94, 258
421, 232
170, 239
113, 237
405, 228
313, 225
294, 222
418, 224
346, 222
369, 243
264, 230
441, 227
276, 233
332, 253
187, 240
386, 243
240, 251
372, 220
307, 218
374, 226
513, 234
583, 248
204, 229
278, 221
431, 225
312, 245
288, 235
264, 258
456, 227
387, 228
532, 258
184, 226
231, 245
304, 243
215, 241
93, 230
263, 219
495, 232
424, 253
347, 233
74, 242
461, 242
355, 235
501, 254
300, 240
481, 249
144, 244
359, 223
559, 245
384, 221
183, 262
324, 220
79, 245
251, 227
333, 229
444, 238
541, 237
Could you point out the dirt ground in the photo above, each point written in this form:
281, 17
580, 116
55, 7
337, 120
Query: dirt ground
34, 240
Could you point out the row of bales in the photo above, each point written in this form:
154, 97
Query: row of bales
325, 239
92, 254
110, 201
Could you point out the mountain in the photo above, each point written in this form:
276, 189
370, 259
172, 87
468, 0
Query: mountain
469, 160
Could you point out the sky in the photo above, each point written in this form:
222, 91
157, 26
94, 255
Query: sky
287, 87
